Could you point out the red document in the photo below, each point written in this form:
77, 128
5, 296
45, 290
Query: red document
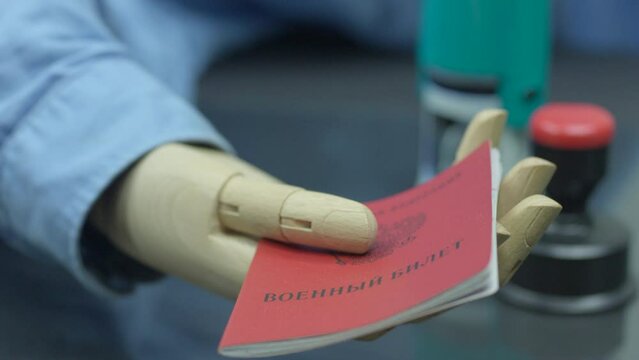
435, 249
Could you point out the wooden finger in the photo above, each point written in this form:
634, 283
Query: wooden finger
486, 125
526, 223
528, 177
295, 215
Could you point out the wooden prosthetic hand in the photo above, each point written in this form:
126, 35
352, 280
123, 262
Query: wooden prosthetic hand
523, 214
196, 212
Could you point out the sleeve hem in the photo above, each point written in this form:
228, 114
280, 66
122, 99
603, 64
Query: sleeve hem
74, 143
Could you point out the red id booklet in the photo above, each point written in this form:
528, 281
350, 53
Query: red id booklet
435, 249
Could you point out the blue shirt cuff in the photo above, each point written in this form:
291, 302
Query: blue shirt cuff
93, 124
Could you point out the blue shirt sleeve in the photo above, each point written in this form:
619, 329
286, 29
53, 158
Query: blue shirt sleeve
80, 104
88, 87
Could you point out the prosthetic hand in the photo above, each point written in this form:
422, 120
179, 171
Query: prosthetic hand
523, 215
196, 213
